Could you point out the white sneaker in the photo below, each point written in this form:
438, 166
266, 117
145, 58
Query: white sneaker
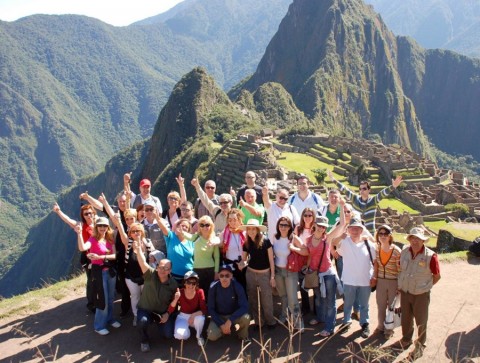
102, 331
116, 324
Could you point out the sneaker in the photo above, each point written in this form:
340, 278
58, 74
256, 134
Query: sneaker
201, 341
365, 330
356, 315
134, 321
115, 324
313, 322
102, 331
325, 333
145, 347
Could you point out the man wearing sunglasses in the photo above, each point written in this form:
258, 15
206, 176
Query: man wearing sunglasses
363, 202
152, 229
200, 209
277, 209
250, 183
220, 211
227, 306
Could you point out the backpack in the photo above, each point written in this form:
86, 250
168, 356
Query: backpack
475, 247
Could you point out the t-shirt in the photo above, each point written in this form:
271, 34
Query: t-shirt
100, 249
156, 296
312, 200
179, 253
281, 250
333, 218
316, 253
248, 215
190, 306
258, 256
275, 212
206, 254
357, 267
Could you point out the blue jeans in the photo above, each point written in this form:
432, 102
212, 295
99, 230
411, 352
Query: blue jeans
145, 317
339, 264
351, 294
105, 316
326, 307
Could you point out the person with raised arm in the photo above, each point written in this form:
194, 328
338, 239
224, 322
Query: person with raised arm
250, 183
364, 202
145, 195
219, 212
155, 302
101, 249
250, 208
87, 222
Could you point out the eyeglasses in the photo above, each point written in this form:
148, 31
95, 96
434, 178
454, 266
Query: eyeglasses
87, 214
284, 225
283, 198
148, 209
136, 231
206, 225
164, 268
173, 199
190, 282
209, 187
185, 209
363, 188
383, 234
301, 183
224, 276
347, 211
308, 215
224, 202
249, 177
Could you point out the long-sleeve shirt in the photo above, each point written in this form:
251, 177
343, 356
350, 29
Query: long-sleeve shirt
230, 301
367, 208
219, 218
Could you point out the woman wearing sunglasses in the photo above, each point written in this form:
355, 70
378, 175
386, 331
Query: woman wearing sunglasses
87, 222
388, 262
193, 308
206, 254
284, 243
101, 247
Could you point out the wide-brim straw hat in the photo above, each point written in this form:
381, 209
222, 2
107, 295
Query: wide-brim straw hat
253, 223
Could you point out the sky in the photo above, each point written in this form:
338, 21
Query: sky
114, 12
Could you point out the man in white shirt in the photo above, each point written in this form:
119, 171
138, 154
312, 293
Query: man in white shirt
304, 198
277, 209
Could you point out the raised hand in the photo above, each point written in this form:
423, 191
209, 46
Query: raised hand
194, 182
179, 179
398, 180
56, 208
127, 178
84, 196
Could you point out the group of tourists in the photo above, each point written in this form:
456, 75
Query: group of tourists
222, 259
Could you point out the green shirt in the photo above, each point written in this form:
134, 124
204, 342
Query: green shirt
156, 296
248, 215
205, 254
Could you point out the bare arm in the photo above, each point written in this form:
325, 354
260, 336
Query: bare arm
82, 245
108, 208
92, 201
272, 267
181, 187
298, 246
212, 208
266, 199
140, 256
257, 212
72, 223
436, 278
161, 222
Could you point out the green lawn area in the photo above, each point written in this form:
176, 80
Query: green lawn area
398, 205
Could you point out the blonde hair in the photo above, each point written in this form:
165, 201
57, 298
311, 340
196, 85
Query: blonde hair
130, 212
139, 226
205, 220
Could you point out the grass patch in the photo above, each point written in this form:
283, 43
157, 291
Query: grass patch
468, 231
453, 256
436, 226
397, 205
35, 300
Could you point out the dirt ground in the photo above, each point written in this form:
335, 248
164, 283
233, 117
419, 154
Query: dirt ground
66, 330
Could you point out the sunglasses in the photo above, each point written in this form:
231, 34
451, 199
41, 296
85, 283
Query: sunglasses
148, 209
210, 188
101, 226
172, 199
164, 268
224, 202
87, 214
224, 276
308, 215
383, 234
363, 188
283, 198
190, 282
250, 177
284, 225
136, 231
347, 211
206, 225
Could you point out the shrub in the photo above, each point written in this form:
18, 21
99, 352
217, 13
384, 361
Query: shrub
320, 174
463, 209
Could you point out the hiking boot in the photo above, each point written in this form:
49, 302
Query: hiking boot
365, 330
145, 347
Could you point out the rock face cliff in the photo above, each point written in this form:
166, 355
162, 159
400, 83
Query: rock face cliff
339, 62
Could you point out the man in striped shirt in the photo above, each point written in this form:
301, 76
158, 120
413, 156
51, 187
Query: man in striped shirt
365, 204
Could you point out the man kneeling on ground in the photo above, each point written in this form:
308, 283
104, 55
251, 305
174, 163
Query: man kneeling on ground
227, 306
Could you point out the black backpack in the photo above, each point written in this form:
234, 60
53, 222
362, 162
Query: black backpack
475, 247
